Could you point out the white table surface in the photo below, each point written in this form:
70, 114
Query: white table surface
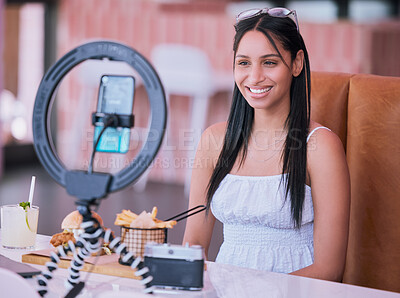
219, 281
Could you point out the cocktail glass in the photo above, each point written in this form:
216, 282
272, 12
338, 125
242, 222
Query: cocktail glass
19, 226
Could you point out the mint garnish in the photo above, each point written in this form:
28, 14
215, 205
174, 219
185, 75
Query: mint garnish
25, 205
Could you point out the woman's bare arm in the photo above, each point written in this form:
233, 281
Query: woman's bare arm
199, 227
330, 186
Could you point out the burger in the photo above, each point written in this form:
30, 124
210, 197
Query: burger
71, 226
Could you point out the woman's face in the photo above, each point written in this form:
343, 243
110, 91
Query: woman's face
260, 74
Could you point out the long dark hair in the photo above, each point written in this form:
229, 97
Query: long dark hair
241, 115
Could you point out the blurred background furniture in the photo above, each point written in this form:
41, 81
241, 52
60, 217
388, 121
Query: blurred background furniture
364, 111
186, 70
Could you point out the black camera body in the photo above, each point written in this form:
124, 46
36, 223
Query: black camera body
175, 266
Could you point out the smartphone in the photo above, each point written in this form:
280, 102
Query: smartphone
116, 95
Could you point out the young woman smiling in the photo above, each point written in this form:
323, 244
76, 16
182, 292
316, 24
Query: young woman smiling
277, 180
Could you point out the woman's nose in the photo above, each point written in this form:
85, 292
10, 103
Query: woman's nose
256, 74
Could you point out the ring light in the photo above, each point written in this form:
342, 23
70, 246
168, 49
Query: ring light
100, 183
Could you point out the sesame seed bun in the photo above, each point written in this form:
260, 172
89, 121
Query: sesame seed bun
74, 220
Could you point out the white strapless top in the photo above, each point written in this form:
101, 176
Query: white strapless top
258, 227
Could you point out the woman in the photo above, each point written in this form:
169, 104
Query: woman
277, 180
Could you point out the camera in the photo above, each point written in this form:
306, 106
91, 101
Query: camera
175, 266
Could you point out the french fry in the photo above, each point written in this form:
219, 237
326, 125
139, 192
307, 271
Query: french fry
119, 222
154, 213
122, 219
166, 224
126, 217
129, 213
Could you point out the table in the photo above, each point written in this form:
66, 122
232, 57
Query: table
220, 280
99, 285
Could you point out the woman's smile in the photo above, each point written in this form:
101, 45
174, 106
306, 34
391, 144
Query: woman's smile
259, 92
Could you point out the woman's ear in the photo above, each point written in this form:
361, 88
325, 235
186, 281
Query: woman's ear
297, 65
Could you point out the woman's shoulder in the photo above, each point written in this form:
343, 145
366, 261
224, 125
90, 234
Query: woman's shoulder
212, 140
217, 128
214, 135
323, 144
319, 133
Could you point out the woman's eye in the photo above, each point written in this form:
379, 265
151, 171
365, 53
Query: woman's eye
270, 63
242, 63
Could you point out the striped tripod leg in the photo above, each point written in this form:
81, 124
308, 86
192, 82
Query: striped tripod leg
80, 254
87, 243
47, 275
129, 259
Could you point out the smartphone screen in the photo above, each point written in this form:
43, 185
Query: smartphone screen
116, 94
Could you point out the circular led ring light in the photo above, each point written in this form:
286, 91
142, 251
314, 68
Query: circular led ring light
44, 97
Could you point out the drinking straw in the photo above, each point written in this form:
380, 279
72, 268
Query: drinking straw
32, 190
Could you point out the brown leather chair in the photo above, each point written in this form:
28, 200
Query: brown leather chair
329, 99
364, 110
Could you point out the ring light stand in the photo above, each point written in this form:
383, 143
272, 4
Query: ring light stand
89, 187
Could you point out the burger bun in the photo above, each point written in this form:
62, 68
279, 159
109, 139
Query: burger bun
74, 219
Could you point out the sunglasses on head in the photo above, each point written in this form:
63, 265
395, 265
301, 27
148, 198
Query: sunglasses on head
279, 12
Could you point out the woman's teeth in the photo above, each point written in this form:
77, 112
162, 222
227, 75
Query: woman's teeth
259, 91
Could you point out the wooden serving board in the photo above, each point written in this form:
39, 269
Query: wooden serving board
107, 265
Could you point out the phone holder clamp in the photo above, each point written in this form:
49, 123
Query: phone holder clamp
118, 120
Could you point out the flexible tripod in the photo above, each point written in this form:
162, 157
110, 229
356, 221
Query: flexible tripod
87, 243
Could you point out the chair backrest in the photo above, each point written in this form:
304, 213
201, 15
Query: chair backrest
373, 147
183, 69
90, 71
364, 111
329, 100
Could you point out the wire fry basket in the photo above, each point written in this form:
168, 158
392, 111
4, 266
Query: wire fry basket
136, 239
